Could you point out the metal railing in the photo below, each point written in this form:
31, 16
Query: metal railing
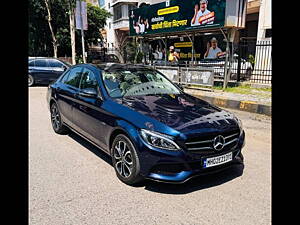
251, 61
258, 55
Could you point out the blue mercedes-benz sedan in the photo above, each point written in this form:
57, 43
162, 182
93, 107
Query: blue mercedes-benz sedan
147, 124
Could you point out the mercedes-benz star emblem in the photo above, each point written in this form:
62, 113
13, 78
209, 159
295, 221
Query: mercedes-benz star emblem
219, 142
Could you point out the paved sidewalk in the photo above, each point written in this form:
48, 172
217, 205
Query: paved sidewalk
246, 102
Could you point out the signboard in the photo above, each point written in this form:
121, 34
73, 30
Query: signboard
170, 72
78, 16
203, 76
179, 15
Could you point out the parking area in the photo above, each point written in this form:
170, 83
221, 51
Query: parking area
72, 182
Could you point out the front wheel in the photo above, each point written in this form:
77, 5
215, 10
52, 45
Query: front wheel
125, 160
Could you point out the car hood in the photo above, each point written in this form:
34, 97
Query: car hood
183, 112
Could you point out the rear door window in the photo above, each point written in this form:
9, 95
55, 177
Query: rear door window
88, 80
74, 77
40, 63
55, 63
65, 77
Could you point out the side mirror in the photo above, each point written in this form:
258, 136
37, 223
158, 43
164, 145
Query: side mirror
180, 86
88, 93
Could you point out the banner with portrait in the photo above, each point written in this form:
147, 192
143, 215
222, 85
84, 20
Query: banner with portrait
178, 15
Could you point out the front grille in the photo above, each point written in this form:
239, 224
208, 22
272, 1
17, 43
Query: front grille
204, 144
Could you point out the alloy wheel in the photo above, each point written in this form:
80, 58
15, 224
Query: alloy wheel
55, 118
123, 157
30, 80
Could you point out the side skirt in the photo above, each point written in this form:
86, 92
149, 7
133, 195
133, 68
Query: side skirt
84, 137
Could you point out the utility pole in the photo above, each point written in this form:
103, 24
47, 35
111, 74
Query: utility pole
226, 66
82, 34
226, 60
72, 30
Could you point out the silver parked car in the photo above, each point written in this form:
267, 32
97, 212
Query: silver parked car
219, 64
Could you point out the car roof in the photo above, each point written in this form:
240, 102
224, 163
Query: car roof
120, 66
40, 57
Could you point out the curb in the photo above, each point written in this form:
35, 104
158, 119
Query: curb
247, 106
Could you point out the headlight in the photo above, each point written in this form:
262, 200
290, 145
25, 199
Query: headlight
159, 140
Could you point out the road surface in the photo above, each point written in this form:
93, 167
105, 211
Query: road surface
72, 182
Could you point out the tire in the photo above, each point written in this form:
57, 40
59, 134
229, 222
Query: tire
30, 80
242, 157
125, 160
56, 121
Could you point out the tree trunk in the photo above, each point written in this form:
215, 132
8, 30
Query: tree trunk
72, 32
54, 40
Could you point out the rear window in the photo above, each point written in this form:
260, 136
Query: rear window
54, 63
40, 63
30, 62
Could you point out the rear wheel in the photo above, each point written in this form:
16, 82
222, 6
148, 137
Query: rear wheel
30, 80
125, 160
56, 121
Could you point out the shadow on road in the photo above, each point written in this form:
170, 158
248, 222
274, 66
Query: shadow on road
195, 184
91, 147
39, 85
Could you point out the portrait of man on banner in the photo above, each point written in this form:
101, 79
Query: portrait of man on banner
202, 15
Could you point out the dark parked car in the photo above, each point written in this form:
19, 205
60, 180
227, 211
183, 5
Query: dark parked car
97, 57
45, 70
147, 124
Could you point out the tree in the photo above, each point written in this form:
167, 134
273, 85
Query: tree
96, 20
71, 12
133, 50
49, 18
63, 26
38, 30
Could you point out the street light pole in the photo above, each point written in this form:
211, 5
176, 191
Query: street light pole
82, 34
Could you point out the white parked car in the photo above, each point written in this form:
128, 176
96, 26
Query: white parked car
218, 65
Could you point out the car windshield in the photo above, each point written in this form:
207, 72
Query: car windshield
136, 82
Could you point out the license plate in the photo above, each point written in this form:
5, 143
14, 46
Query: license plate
218, 160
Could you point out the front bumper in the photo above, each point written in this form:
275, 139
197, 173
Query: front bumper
180, 166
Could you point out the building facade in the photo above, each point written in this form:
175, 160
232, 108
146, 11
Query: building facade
116, 32
258, 20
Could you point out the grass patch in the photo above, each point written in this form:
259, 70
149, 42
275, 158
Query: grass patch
244, 89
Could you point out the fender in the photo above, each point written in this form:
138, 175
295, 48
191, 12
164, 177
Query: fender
129, 129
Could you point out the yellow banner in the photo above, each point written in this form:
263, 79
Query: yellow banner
188, 55
183, 44
169, 10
